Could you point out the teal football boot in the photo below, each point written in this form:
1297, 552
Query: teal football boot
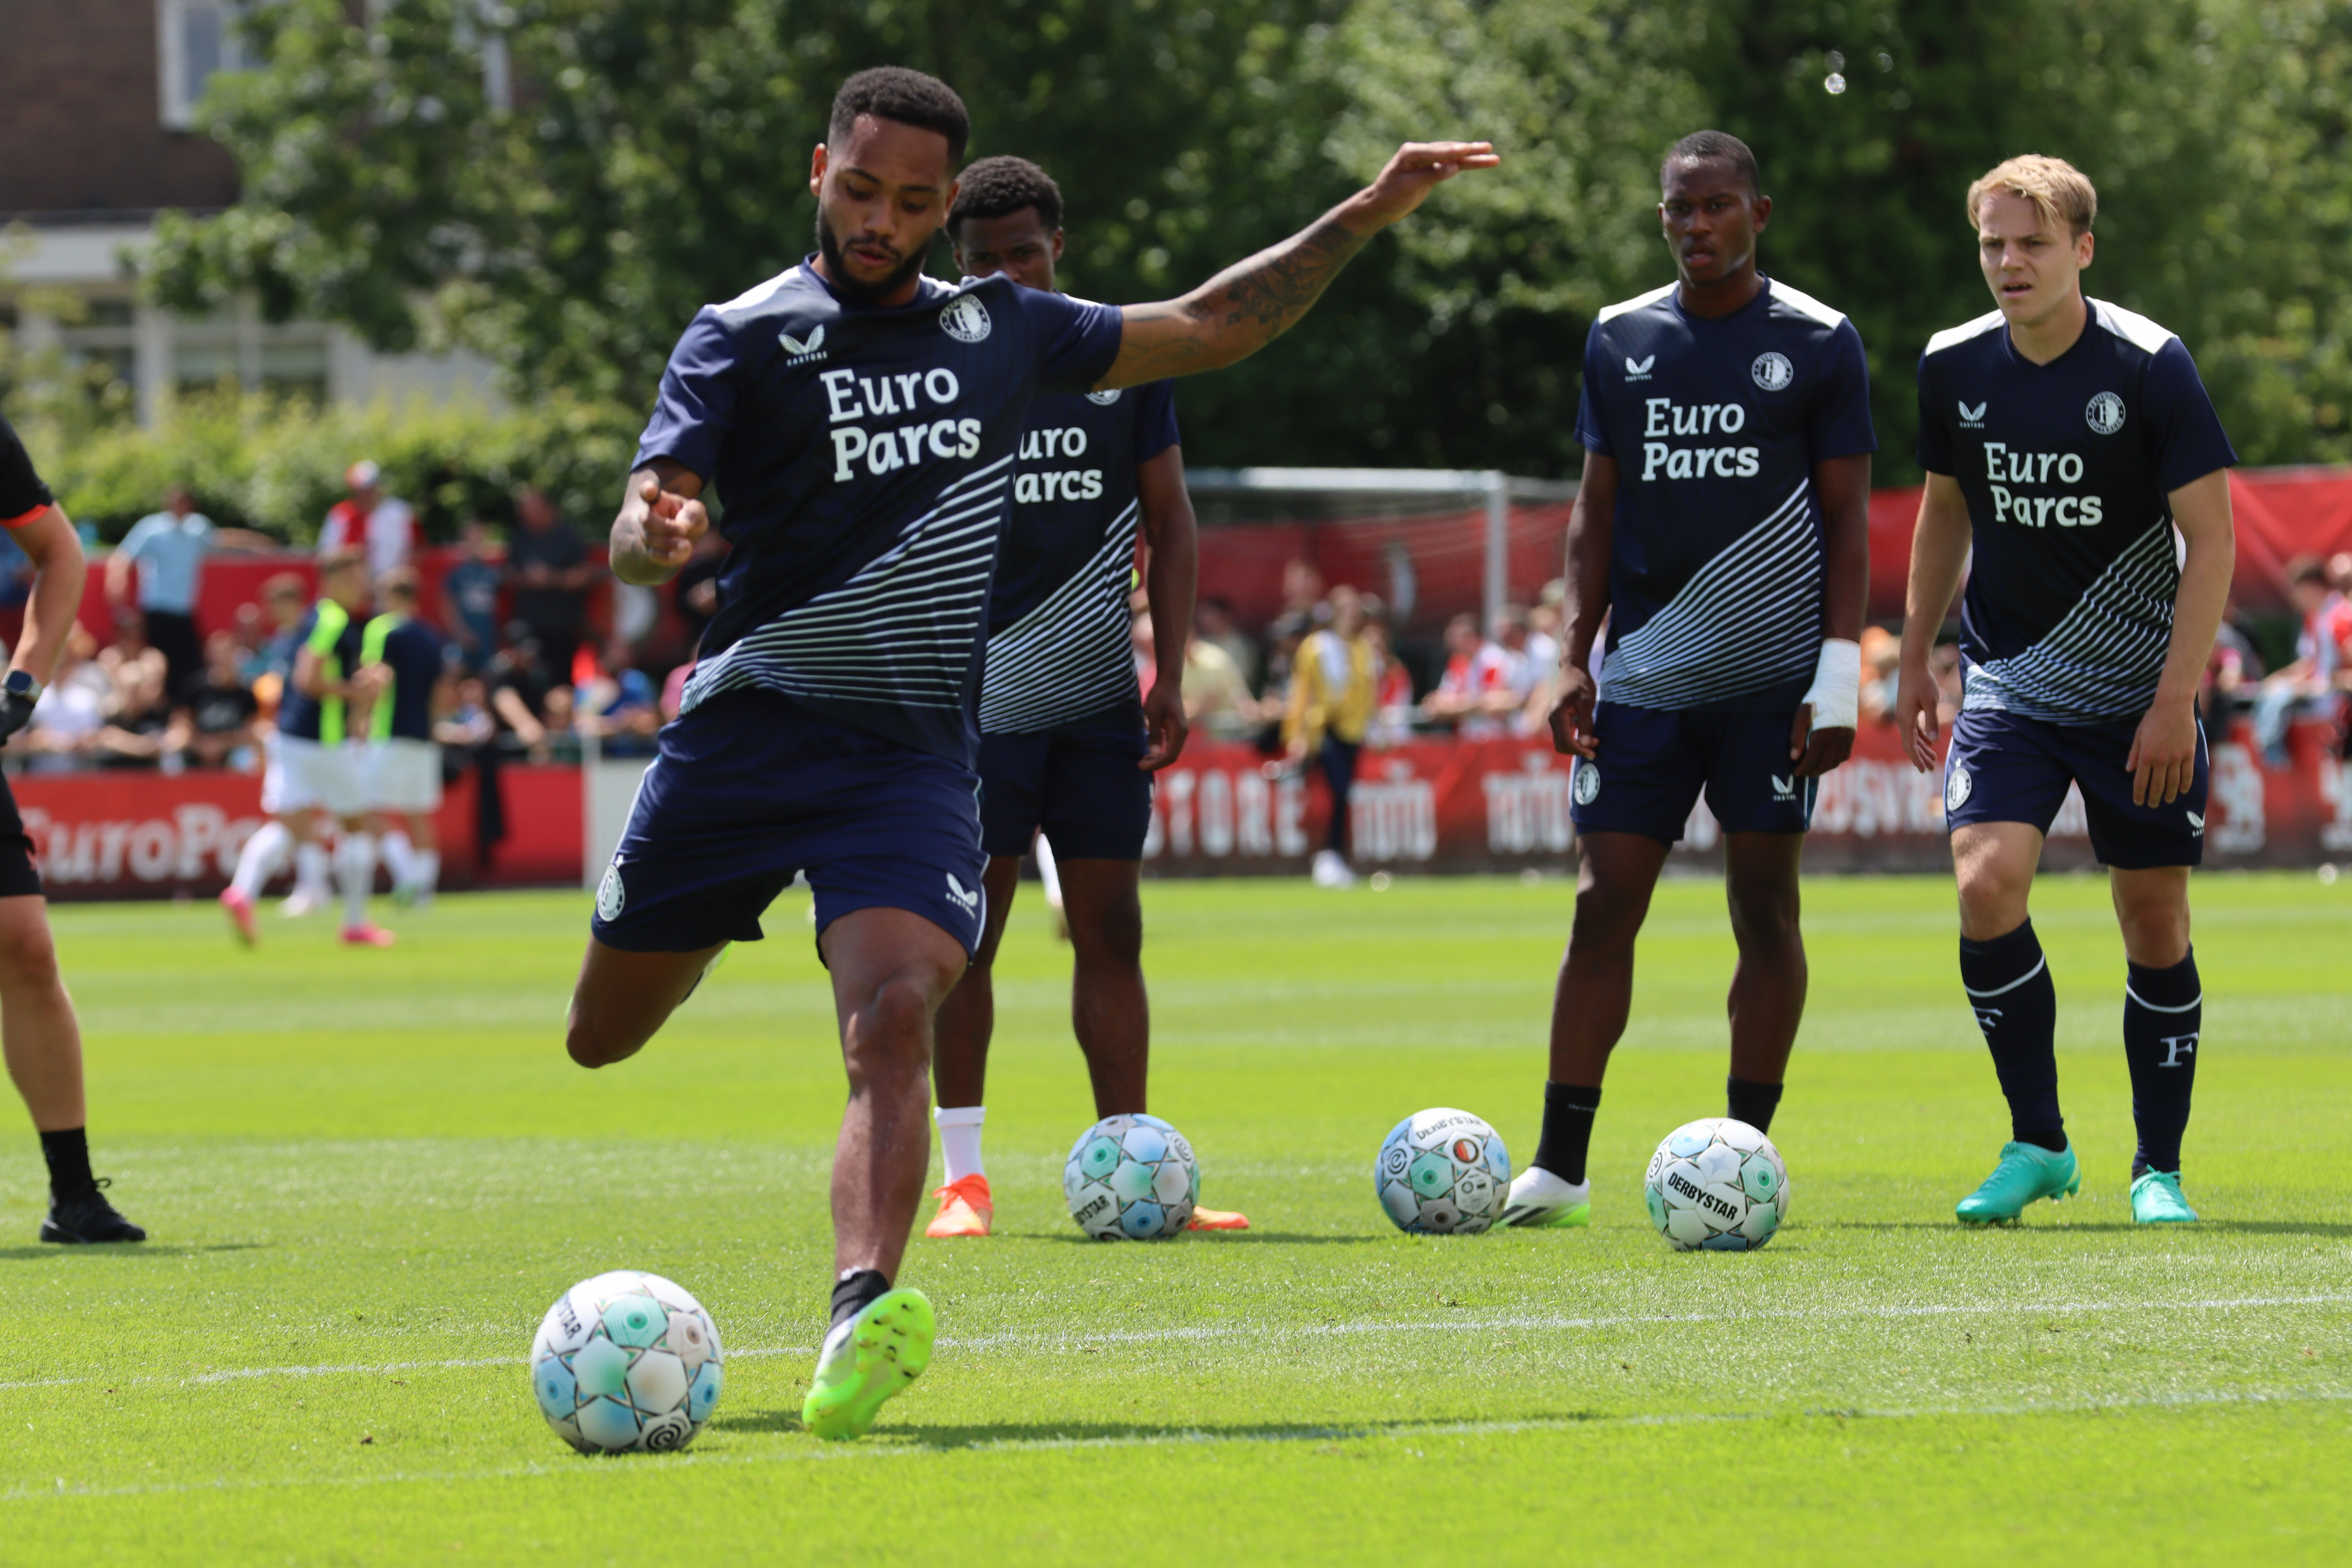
2157, 1200
2026, 1173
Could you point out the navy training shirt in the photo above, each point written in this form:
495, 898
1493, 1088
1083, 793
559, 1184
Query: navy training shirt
2068, 467
1716, 597
23, 496
865, 456
1059, 648
338, 637
417, 657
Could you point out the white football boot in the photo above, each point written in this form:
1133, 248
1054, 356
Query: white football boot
1331, 871
1539, 1198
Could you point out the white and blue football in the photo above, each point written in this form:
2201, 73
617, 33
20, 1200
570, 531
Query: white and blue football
1443, 1173
1717, 1184
626, 1361
1132, 1178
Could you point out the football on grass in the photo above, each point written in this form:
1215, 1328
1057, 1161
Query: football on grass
1132, 1178
1443, 1173
1719, 1184
626, 1361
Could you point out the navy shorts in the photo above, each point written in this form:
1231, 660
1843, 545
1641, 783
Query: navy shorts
1077, 781
1654, 760
2003, 767
751, 789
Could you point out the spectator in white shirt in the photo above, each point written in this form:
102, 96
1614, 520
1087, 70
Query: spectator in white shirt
383, 526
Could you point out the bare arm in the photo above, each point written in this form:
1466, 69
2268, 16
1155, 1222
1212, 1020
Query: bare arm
1590, 525
1841, 490
243, 539
510, 707
662, 517
1939, 552
119, 563
2163, 759
1249, 304
54, 547
1170, 579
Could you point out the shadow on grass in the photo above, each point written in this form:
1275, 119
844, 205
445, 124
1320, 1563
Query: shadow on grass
2058, 1226
1217, 1239
1087, 1434
127, 1250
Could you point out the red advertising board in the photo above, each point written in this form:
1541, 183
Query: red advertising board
132, 834
1458, 806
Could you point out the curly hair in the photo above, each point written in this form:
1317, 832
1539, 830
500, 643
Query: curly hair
1000, 187
907, 96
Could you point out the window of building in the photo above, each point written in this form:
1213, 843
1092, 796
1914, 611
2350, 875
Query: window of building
193, 39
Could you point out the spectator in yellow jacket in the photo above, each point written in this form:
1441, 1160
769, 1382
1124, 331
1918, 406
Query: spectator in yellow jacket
1334, 688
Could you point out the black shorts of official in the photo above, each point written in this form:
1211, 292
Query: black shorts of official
174, 636
1077, 781
1653, 762
752, 789
19, 877
2004, 767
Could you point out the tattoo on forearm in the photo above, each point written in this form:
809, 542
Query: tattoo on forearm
1274, 289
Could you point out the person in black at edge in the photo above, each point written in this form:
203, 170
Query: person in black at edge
43, 1036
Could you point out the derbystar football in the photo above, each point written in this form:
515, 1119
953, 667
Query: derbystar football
626, 1361
1717, 1183
1132, 1178
1443, 1173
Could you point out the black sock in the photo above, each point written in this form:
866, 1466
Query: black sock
2164, 1010
856, 1290
1567, 1129
67, 1153
2008, 983
1753, 1103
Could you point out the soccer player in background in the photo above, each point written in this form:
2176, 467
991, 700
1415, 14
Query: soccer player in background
1065, 744
1723, 529
404, 760
862, 422
320, 761
38, 1032
2071, 446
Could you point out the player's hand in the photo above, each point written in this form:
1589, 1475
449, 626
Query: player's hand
1816, 751
668, 525
16, 713
1571, 716
1164, 720
2163, 760
1419, 168
1916, 697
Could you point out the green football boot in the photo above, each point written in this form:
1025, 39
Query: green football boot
2157, 1200
866, 1360
2026, 1173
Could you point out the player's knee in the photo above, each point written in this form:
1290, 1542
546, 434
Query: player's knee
2155, 931
591, 1041
1992, 900
27, 955
1607, 917
890, 1025
1762, 918
1112, 936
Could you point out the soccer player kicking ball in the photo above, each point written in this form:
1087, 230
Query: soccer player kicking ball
863, 423
2072, 444
1723, 528
1065, 745
42, 1037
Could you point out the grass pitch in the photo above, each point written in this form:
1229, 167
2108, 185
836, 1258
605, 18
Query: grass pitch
368, 1174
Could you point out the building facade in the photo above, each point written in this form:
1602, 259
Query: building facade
95, 141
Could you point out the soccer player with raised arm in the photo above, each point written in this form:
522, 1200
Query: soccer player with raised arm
862, 423
1723, 529
2071, 447
1065, 745
38, 1032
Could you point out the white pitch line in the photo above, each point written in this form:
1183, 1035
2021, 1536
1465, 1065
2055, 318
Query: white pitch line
1367, 1432
1303, 1330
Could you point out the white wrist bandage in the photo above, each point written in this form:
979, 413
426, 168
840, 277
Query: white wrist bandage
1836, 691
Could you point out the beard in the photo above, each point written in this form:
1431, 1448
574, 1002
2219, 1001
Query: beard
828, 245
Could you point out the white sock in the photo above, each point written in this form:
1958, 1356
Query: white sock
310, 870
959, 1140
399, 856
355, 869
1047, 874
428, 870
263, 856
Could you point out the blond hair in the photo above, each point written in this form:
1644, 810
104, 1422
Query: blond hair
2060, 191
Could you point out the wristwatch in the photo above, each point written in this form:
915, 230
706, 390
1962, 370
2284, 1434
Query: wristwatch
20, 683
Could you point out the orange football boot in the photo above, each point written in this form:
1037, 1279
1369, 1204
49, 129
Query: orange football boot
1218, 1219
965, 1209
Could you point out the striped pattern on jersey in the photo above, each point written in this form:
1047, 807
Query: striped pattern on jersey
1070, 655
2104, 657
1750, 619
903, 630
